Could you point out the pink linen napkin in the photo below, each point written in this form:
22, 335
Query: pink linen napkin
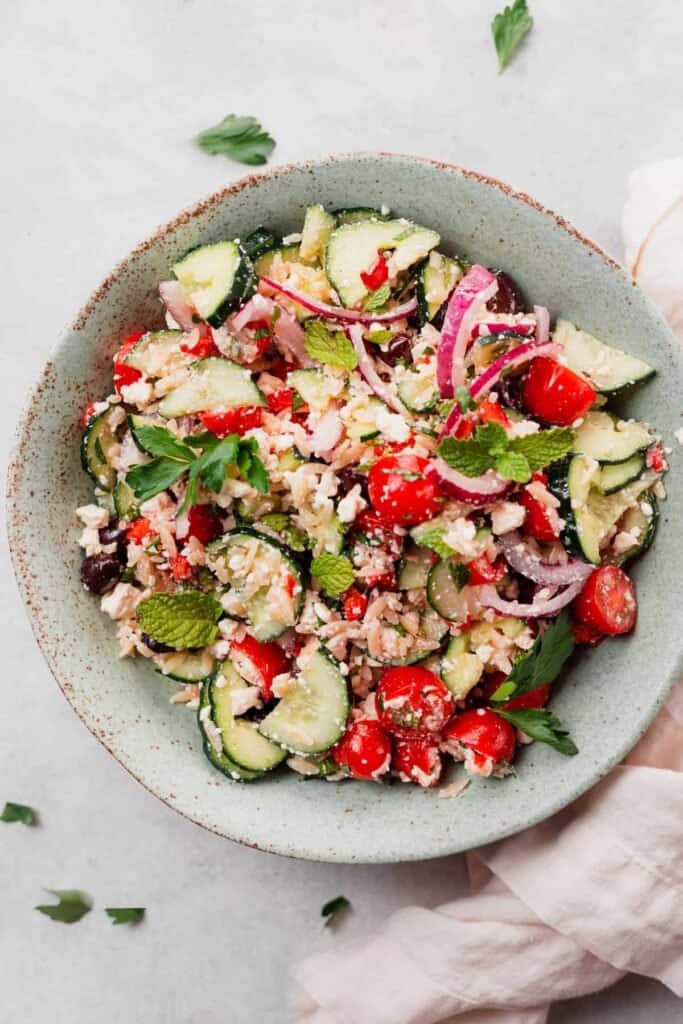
565, 908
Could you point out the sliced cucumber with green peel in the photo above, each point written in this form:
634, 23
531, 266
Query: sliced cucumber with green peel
615, 475
212, 384
218, 758
417, 392
98, 443
353, 214
433, 629
152, 350
217, 279
361, 425
287, 253
318, 226
571, 481
313, 387
636, 520
607, 369
443, 593
435, 281
260, 241
125, 502
282, 525
312, 715
461, 669
242, 741
290, 460
190, 666
415, 566
352, 250
604, 437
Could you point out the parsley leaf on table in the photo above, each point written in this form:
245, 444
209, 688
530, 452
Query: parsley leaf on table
19, 812
125, 915
509, 28
72, 906
334, 907
239, 138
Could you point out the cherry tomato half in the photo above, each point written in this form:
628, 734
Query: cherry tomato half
608, 601
123, 374
492, 412
554, 393
418, 760
412, 701
485, 732
400, 491
355, 604
364, 749
204, 523
259, 663
539, 521
202, 349
280, 400
483, 571
233, 421
537, 698
584, 634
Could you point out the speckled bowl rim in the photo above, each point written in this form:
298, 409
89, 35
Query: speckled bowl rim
14, 531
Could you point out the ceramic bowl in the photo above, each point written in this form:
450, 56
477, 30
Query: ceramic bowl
607, 697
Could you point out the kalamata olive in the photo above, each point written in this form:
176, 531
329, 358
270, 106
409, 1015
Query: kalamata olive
156, 645
397, 349
508, 298
99, 573
348, 478
114, 533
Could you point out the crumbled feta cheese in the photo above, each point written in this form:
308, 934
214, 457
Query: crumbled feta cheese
392, 425
93, 516
461, 537
351, 504
139, 393
679, 435
245, 698
120, 603
523, 428
507, 516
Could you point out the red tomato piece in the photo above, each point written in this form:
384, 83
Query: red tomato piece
554, 393
584, 634
655, 458
412, 701
280, 400
88, 413
204, 523
138, 530
417, 760
539, 522
608, 601
492, 412
123, 374
375, 278
537, 698
180, 568
233, 421
259, 663
485, 732
203, 349
483, 571
355, 604
400, 491
364, 749
465, 429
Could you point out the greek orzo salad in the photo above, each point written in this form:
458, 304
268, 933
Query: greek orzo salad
361, 501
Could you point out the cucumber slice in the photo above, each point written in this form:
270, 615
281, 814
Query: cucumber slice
219, 759
318, 226
242, 741
435, 281
217, 279
570, 481
212, 384
461, 669
260, 241
353, 214
433, 629
189, 666
312, 715
287, 253
257, 604
361, 425
352, 249
98, 444
615, 475
605, 438
313, 388
418, 392
414, 569
152, 351
644, 522
125, 502
290, 535
290, 460
487, 349
605, 368
443, 594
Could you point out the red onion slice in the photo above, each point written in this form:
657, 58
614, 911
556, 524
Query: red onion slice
288, 332
367, 370
473, 490
257, 308
523, 560
542, 323
539, 607
468, 299
173, 297
338, 312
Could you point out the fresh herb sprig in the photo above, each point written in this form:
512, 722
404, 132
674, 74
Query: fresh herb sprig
334, 907
515, 458
239, 138
542, 663
541, 725
71, 906
125, 915
509, 28
18, 812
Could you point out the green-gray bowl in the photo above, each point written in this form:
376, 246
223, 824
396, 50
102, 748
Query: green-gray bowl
608, 696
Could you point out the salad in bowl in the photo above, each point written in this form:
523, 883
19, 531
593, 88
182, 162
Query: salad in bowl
360, 501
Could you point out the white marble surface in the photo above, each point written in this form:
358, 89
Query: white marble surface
98, 105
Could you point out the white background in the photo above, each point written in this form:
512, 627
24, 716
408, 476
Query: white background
99, 104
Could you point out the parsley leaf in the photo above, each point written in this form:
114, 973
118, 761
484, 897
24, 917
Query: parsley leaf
541, 725
161, 442
509, 28
333, 573
377, 299
542, 663
334, 907
72, 906
331, 348
19, 812
240, 138
468, 457
212, 464
186, 619
125, 915
544, 447
153, 477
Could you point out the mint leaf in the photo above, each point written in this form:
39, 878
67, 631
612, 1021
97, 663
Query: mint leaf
72, 906
125, 915
541, 725
331, 348
333, 573
542, 663
19, 812
460, 573
468, 457
334, 907
544, 447
434, 539
239, 138
492, 438
465, 400
183, 620
509, 28
160, 441
155, 476
513, 466
377, 299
